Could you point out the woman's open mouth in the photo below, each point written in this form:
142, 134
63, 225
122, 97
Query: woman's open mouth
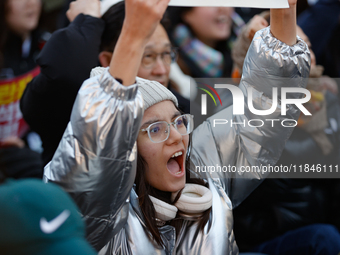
175, 164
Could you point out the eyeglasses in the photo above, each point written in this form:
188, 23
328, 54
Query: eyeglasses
159, 131
149, 59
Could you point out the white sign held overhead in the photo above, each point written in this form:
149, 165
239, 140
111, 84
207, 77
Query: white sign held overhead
266, 4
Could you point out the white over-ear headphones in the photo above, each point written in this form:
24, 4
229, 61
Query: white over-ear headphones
164, 211
193, 200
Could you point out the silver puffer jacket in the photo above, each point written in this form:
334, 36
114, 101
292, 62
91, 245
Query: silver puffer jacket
96, 158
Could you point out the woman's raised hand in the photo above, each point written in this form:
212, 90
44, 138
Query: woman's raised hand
283, 23
143, 16
141, 19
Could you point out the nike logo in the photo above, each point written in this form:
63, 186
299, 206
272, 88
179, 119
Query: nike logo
53, 225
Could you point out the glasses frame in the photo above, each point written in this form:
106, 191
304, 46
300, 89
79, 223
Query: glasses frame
168, 127
173, 55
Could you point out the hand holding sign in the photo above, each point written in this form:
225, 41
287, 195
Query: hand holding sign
283, 23
141, 19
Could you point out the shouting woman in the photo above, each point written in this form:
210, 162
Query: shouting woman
128, 159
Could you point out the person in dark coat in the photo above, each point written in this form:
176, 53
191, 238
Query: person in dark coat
20, 42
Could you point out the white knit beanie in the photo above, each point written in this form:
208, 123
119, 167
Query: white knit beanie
152, 91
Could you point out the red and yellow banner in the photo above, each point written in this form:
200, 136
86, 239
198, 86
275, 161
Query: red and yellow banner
11, 90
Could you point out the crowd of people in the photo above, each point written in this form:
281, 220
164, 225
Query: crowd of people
101, 108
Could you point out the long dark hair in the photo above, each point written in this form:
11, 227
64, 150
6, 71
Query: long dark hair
144, 189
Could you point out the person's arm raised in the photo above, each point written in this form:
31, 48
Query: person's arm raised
141, 20
283, 23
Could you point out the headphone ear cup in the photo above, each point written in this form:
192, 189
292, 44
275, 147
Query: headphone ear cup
194, 199
164, 211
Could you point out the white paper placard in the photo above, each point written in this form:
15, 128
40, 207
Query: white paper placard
266, 4
233, 3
